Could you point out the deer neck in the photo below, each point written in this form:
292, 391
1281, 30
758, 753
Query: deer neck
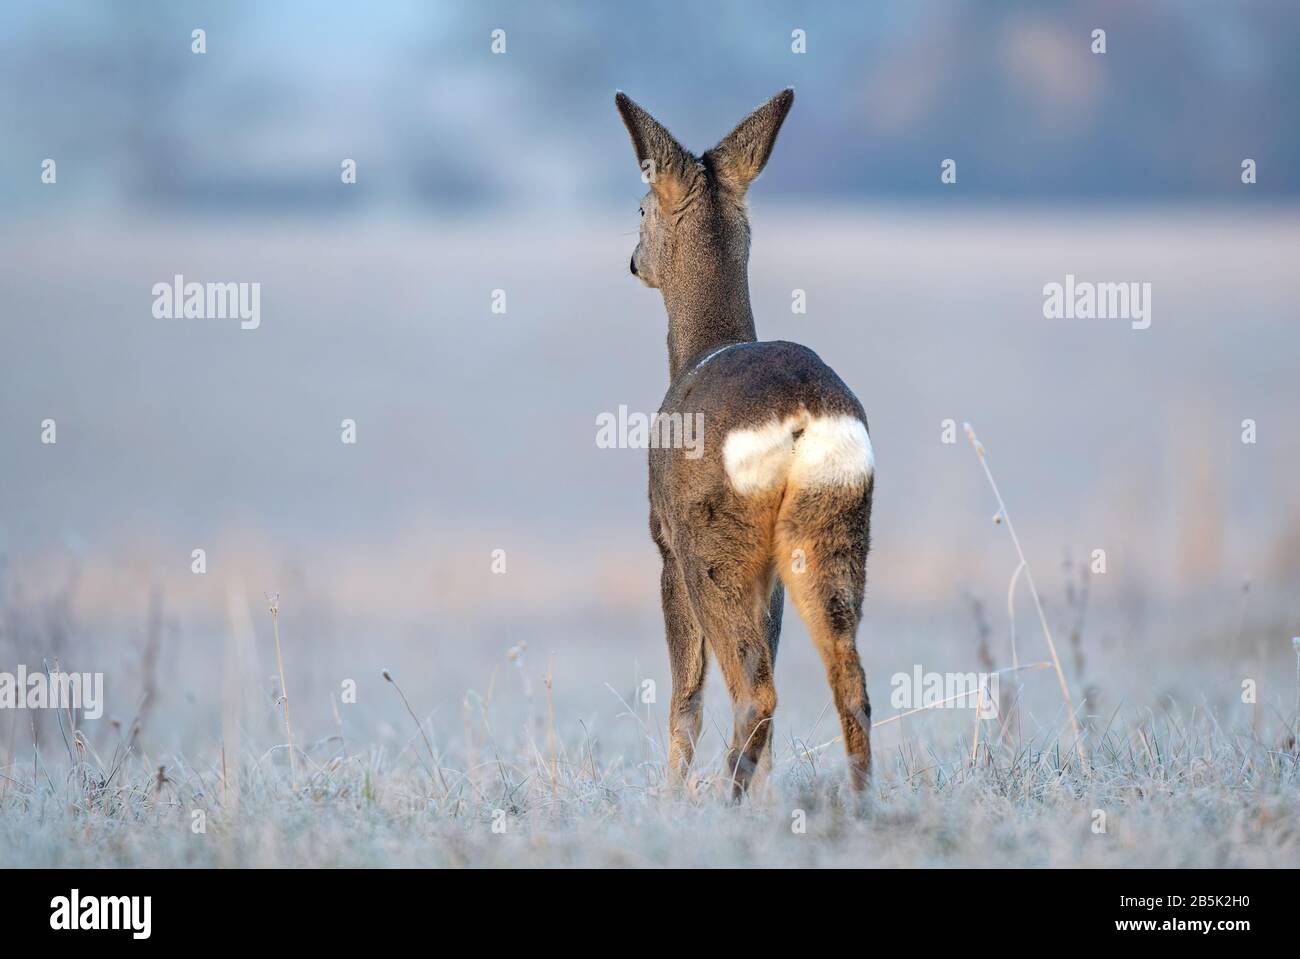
708, 307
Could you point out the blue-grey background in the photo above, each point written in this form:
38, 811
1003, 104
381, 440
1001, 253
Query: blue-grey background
412, 90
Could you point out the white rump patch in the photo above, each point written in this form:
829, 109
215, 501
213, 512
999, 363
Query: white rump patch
831, 451
759, 459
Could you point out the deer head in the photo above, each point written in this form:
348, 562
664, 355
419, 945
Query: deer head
694, 243
694, 212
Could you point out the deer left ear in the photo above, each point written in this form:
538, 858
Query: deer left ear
742, 153
665, 164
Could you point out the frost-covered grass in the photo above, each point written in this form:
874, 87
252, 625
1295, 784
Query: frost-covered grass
1160, 788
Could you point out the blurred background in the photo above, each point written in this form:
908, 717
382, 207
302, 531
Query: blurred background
476, 430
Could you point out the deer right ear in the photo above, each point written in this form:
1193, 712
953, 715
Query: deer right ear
665, 165
743, 152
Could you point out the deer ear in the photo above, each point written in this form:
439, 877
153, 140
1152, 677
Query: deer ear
665, 164
742, 153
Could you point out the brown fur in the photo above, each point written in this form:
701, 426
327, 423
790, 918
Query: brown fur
726, 554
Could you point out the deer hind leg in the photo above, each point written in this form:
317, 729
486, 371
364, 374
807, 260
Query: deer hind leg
688, 660
775, 610
740, 646
729, 576
822, 536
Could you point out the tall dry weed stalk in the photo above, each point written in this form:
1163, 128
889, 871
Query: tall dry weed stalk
284, 690
1295, 735
1033, 590
428, 744
550, 728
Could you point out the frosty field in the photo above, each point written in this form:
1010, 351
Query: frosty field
531, 737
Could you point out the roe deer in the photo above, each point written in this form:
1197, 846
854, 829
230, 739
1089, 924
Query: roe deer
782, 492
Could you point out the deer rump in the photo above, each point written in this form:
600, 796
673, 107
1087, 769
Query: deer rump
774, 415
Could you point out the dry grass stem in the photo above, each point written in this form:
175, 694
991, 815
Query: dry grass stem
1033, 590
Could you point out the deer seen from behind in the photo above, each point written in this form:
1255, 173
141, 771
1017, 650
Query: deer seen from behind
781, 495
